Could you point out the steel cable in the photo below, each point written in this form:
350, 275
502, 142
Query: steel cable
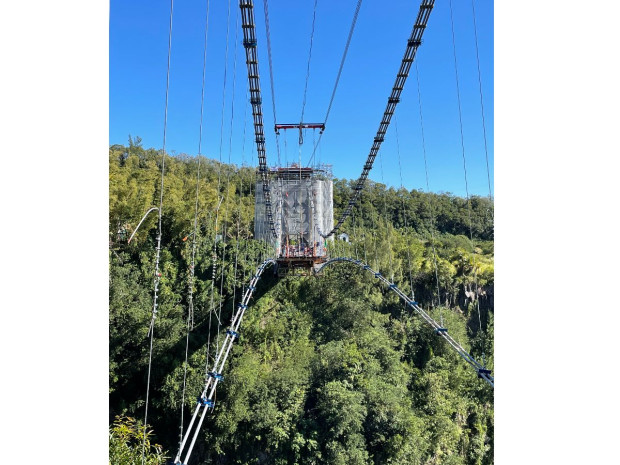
344, 57
437, 328
273, 95
428, 191
190, 315
471, 236
484, 130
159, 233
400, 172
303, 105
414, 41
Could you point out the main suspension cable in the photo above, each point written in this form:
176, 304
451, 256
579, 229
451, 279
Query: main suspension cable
159, 232
414, 41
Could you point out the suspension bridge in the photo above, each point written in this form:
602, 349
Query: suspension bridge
294, 206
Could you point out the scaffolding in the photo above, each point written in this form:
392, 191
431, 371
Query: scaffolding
302, 202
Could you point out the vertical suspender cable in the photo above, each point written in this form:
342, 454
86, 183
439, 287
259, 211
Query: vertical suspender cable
303, 105
273, 95
428, 192
471, 236
344, 57
301, 119
190, 316
400, 171
228, 171
159, 231
484, 130
219, 179
245, 253
387, 227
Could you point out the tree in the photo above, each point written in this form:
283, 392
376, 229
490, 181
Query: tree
127, 436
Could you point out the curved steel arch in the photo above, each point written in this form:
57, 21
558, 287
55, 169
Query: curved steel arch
439, 330
205, 401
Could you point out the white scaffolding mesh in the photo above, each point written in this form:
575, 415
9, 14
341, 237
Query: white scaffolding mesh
302, 210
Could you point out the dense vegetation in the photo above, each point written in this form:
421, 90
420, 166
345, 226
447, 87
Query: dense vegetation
329, 368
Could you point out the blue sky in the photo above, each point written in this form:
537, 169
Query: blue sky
138, 59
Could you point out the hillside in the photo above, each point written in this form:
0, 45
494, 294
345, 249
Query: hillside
329, 368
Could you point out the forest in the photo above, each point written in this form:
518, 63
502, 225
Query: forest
328, 369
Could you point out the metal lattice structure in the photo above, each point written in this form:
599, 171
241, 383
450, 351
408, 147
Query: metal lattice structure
251, 55
415, 40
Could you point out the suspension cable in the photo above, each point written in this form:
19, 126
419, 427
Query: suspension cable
387, 227
471, 236
344, 57
219, 180
159, 232
273, 95
223, 98
190, 315
414, 41
247, 242
428, 192
400, 171
227, 194
303, 105
484, 130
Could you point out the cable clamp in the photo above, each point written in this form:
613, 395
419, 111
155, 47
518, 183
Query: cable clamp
232, 333
206, 402
215, 375
440, 330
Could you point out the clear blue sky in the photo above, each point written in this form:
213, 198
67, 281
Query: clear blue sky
138, 59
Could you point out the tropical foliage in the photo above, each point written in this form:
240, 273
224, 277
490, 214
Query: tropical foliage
329, 369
